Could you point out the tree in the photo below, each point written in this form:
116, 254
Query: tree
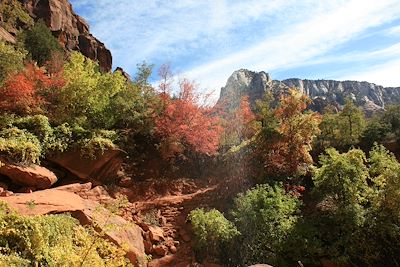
26, 92
351, 124
11, 60
165, 73
285, 139
40, 43
143, 73
212, 230
185, 125
265, 216
86, 98
240, 124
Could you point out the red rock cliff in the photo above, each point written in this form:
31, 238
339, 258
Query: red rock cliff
70, 29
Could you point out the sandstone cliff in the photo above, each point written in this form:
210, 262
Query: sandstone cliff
370, 96
71, 30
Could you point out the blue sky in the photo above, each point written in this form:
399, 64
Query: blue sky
206, 40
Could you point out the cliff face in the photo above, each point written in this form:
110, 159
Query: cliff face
369, 96
71, 30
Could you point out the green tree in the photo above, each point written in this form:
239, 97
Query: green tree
341, 188
40, 43
264, 215
86, 98
11, 60
212, 230
351, 124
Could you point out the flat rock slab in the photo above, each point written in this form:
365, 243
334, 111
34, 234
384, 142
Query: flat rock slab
124, 234
30, 176
45, 202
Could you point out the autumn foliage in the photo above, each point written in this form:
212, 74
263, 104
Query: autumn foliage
285, 141
184, 124
28, 91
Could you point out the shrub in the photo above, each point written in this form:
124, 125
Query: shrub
19, 145
86, 97
11, 60
265, 216
53, 240
212, 229
13, 14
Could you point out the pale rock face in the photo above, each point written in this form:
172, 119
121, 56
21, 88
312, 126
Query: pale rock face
369, 96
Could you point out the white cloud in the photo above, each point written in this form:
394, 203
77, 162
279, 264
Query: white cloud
386, 74
394, 30
302, 42
277, 34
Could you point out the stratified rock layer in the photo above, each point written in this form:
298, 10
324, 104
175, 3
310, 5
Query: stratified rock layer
369, 96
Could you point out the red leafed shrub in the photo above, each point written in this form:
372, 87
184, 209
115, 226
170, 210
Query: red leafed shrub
183, 124
27, 91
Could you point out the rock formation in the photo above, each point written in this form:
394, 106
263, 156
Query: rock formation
124, 234
33, 175
102, 167
71, 30
370, 96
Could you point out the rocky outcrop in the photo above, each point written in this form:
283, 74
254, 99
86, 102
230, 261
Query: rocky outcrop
71, 30
126, 235
33, 176
6, 36
370, 96
102, 167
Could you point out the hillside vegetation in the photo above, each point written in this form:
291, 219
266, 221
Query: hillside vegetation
321, 187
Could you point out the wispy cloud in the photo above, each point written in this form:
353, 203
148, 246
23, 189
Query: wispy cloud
301, 42
207, 40
385, 74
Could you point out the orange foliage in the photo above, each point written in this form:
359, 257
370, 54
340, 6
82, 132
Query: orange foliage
286, 152
185, 125
244, 119
26, 92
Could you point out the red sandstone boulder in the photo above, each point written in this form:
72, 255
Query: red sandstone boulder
125, 234
160, 250
6, 36
102, 167
33, 176
45, 202
156, 233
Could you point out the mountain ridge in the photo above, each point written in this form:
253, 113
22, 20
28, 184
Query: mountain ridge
370, 96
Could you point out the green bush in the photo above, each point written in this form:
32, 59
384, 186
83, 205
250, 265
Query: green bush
86, 97
14, 14
212, 229
19, 145
265, 216
53, 240
11, 60
40, 43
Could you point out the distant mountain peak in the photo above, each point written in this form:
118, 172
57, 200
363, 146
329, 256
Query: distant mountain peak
369, 96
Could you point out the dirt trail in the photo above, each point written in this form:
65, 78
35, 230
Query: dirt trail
174, 210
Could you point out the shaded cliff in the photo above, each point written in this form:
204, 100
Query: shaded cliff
71, 30
369, 96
